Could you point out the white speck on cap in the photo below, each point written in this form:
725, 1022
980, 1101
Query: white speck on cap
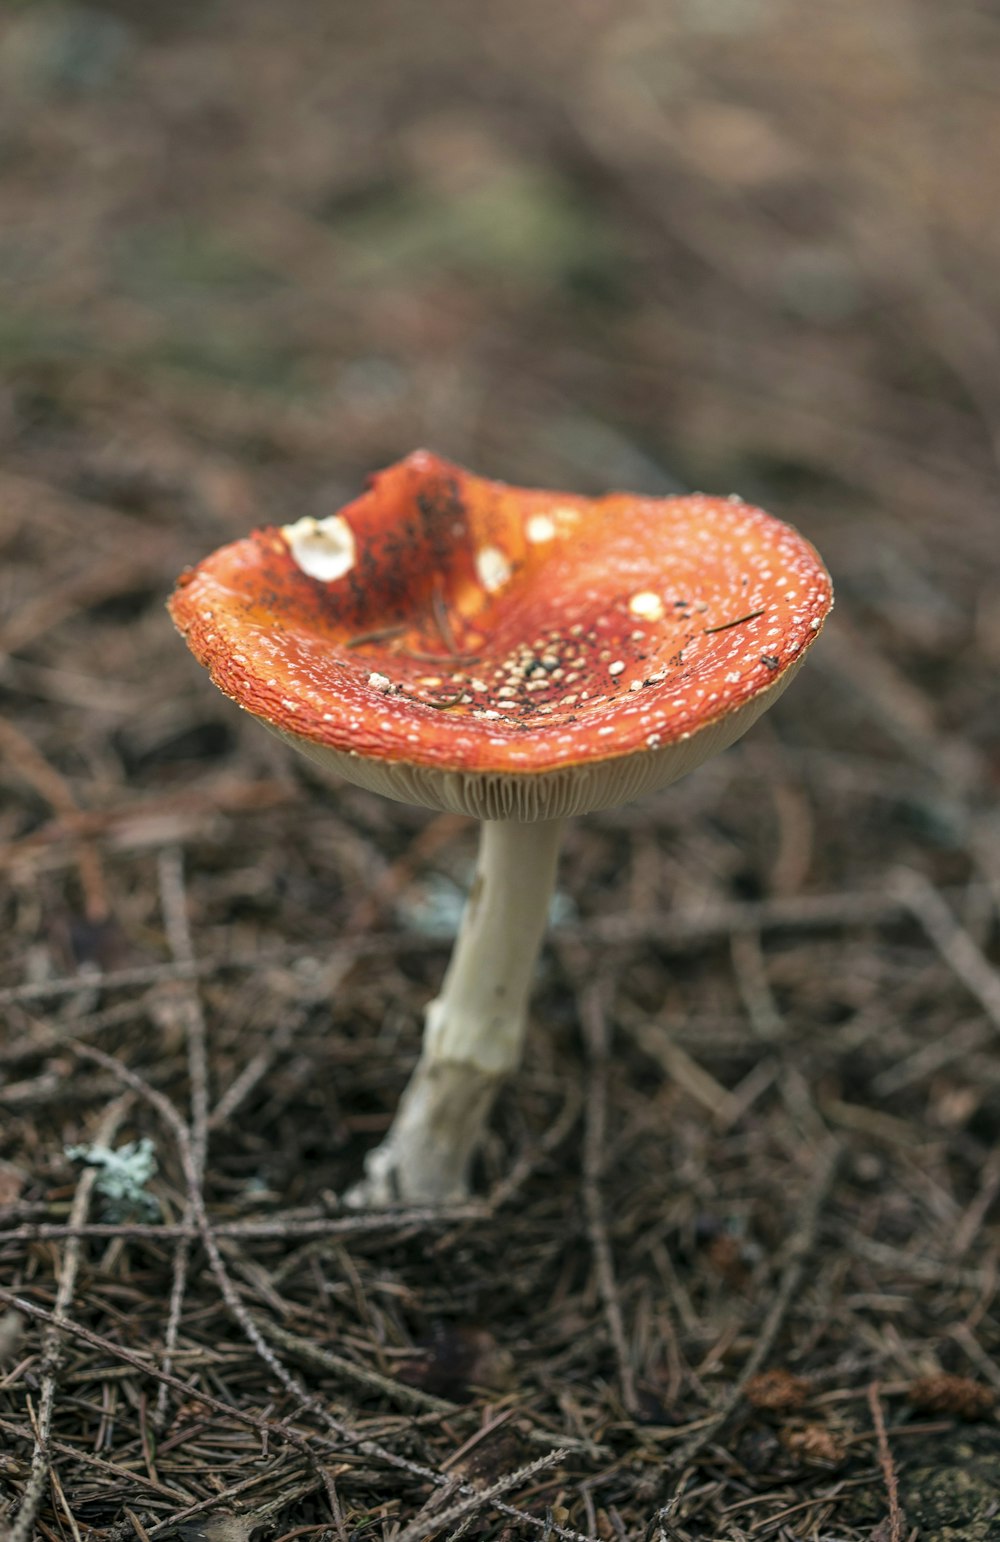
322, 548
380, 682
492, 568
646, 605
540, 528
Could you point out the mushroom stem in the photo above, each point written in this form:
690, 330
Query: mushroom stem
475, 1028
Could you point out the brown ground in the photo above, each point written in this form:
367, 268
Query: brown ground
248, 251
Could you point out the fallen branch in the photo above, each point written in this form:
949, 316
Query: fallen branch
672, 933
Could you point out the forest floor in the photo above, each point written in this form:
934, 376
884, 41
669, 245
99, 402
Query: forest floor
731, 1270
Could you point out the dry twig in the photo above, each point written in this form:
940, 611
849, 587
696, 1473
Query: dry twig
953, 943
174, 905
21, 1529
593, 1015
896, 1518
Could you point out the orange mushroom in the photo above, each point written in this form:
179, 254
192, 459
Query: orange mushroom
513, 654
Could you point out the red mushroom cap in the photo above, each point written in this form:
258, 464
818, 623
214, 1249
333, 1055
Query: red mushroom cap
505, 651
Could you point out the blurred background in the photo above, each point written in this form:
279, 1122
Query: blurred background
250, 251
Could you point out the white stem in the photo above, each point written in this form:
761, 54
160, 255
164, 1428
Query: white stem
475, 1028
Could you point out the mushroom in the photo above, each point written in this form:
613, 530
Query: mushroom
512, 654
